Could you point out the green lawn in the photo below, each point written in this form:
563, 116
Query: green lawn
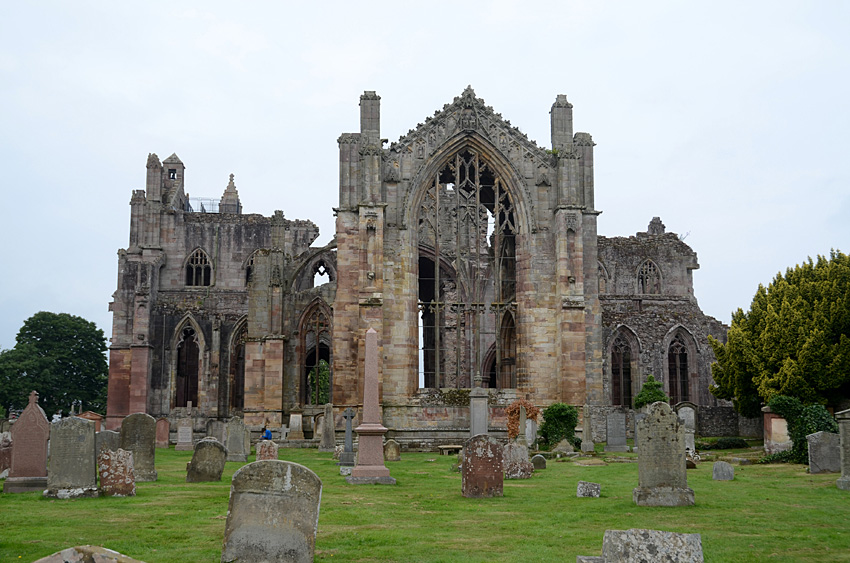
773, 512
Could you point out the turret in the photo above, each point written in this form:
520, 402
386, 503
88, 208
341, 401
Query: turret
230, 200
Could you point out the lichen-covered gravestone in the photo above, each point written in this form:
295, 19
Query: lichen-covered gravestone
207, 462
662, 476
138, 435
636, 545
273, 514
30, 434
482, 472
235, 442
392, 451
266, 449
117, 477
824, 452
516, 464
587, 489
72, 469
616, 430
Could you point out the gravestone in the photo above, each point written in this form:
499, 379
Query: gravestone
479, 410
616, 427
587, 445
296, 431
392, 451
539, 462
30, 433
72, 468
370, 467
563, 447
587, 489
531, 432
266, 449
273, 513
107, 440
687, 413
87, 553
115, 470
662, 476
346, 458
138, 435
337, 452
235, 441
328, 435
184, 434
207, 462
639, 546
215, 429
722, 471
515, 461
843, 418
163, 429
5, 452
824, 452
638, 417
482, 471
523, 427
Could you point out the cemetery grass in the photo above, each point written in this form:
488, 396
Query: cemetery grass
769, 512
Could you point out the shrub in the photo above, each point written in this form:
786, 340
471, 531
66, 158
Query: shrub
651, 392
559, 423
730, 444
802, 420
531, 412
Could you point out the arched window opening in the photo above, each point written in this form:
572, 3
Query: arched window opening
198, 269
467, 225
621, 373
321, 274
249, 270
237, 370
188, 356
677, 364
649, 280
602, 279
316, 378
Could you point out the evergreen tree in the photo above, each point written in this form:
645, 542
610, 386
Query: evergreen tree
794, 340
652, 391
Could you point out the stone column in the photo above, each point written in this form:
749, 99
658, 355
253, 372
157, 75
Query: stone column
843, 418
370, 466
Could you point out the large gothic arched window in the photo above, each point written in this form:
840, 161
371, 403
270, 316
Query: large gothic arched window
198, 269
317, 381
649, 280
621, 372
467, 275
677, 366
188, 356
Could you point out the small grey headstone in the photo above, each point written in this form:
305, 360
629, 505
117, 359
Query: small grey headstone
539, 462
235, 441
207, 462
824, 452
345, 470
392, 450
328, 435
722, 471
273, 514
107, 440
138, 435
184, 435
587, 489
216, 429
516, 464
638, 417
616, 426
72, 468
636, 545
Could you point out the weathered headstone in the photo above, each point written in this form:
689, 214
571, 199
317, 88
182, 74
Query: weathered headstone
266, 449
215, 429
479, 411
235, 441
662, 476
587, 445
30, 434
687, 413
273, 514
86, 553
337, 451
370, 467
5, 452
163, 430
722, 471
616, 428
563, 447
138, 435
523, 427
482, 471
346, 458
824, 452
117, 477
296, 431
207, 462
588, 489
392, 451
107, 440
515, 462
531, 432
539, 462
72, 468
637, 546
184, 434
328, 435
638, 417
843, 418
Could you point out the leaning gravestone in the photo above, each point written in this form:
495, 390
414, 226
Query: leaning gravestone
30, 434
184, 435
516, 464
266, 449
616, 427
722, 471
392, 451
539, 462
235, 441
482, 471
587, 489
328, 436
138, 435
72, 469
824, 452
107, 440
638, 546
662, 476
207, 462
163, 429
273, 514
115, 470
843, 419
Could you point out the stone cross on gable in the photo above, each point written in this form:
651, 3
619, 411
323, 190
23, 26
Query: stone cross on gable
34, 398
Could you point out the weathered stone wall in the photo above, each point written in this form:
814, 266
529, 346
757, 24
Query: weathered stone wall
724, 421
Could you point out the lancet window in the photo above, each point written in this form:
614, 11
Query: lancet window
677, 367
315, 345
621, 372
188, 360
198, 269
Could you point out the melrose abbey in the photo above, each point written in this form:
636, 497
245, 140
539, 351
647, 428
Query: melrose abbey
472, 252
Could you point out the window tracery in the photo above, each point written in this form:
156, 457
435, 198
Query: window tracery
198, 269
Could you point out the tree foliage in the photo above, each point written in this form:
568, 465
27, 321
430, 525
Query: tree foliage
651, 392
531, 412
794, 340
559, 423
802, 420
60, 356
324, 383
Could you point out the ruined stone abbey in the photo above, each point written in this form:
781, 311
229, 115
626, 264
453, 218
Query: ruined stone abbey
472, 252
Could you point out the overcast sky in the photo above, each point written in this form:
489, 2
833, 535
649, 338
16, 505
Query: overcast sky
728, 120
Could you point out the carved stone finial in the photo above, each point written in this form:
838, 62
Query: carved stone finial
153, 161
656, 227
34, 398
